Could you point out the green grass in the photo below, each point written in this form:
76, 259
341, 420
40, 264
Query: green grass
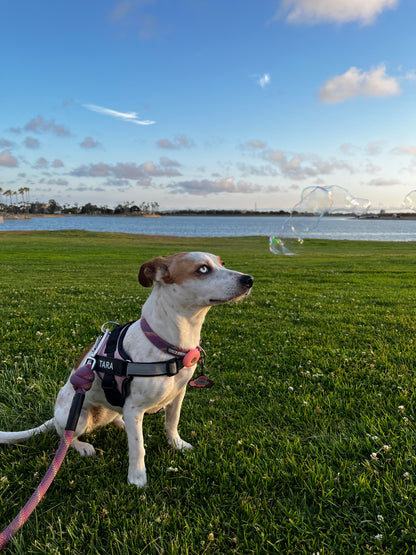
306, 443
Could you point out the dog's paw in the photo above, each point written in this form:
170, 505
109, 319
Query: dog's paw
138, 479
83, 448
181, 445
119, 423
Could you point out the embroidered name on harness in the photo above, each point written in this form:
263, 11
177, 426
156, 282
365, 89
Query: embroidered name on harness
105, 365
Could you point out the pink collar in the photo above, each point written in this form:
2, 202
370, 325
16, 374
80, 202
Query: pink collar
190, 357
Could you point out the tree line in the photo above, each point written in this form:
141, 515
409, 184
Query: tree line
18, 203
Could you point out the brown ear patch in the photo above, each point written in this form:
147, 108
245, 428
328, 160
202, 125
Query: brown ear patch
154, 270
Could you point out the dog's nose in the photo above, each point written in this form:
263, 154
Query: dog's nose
247, 281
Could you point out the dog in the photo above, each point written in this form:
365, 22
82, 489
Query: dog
185, 287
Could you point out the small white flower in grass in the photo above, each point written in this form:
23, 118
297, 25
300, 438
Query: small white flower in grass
378, 537
406, 475
386, 448
290, 388
172, 469
400, 408
374, 457
380, 518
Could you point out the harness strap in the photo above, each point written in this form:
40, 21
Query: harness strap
115, 341
116, 370
122, 368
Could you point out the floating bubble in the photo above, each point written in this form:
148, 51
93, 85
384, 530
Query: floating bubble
315, 203
410, 200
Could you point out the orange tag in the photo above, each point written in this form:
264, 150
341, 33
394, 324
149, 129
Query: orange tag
191, 357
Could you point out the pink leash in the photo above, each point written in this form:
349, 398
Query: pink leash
81, 380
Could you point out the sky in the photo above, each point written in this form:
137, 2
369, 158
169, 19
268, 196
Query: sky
201, 104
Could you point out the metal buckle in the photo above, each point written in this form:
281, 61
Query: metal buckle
93, 362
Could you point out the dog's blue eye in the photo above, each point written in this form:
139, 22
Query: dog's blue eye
203, 269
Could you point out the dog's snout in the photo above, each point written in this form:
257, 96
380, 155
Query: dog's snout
247, 281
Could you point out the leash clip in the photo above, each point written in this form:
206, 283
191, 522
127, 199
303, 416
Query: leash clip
105, 331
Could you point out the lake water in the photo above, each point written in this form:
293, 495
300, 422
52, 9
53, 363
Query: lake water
222, 226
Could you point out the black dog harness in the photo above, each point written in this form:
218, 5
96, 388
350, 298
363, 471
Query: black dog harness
116, 370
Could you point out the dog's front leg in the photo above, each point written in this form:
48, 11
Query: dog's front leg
172, 415
133, 420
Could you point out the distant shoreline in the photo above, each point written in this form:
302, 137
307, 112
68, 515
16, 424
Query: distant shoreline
204, 213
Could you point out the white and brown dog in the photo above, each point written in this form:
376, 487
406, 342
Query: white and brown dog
186, 285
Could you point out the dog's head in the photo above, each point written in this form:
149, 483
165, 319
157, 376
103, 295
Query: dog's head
199, 278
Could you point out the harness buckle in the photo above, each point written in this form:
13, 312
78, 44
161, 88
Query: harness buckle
91, 360
172, 367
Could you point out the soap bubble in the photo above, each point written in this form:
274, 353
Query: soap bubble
305, 216
410, 200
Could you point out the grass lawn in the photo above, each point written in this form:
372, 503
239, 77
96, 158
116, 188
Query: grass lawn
305, 444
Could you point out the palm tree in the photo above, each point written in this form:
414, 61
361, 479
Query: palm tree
26, 191
16, 207
8, 193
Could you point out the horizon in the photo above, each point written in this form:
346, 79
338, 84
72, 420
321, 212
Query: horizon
198, 104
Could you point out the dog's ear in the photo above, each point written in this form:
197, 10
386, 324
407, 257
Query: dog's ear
154, 270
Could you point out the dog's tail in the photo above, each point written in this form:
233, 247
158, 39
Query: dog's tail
14, 437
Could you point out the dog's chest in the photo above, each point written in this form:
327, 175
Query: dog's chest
153, 394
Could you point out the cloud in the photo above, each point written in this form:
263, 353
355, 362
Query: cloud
180, 141
59, 182
143, 173
374, 148
381, 182
57, 163
333, 11
355, 82
130, 12
258, 171
349, 149
164, 161
31, 142
205, 187
301, 166
131, 117
256, 144
408, 150
4, 143
264, 80
89, 142
40, 125
41, 163
7, 159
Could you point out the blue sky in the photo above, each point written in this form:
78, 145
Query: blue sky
206, 103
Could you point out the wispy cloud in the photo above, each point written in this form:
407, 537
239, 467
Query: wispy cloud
132, 117
333, 11
89, 142
180, 141
40, 125
264, 80
205, 187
